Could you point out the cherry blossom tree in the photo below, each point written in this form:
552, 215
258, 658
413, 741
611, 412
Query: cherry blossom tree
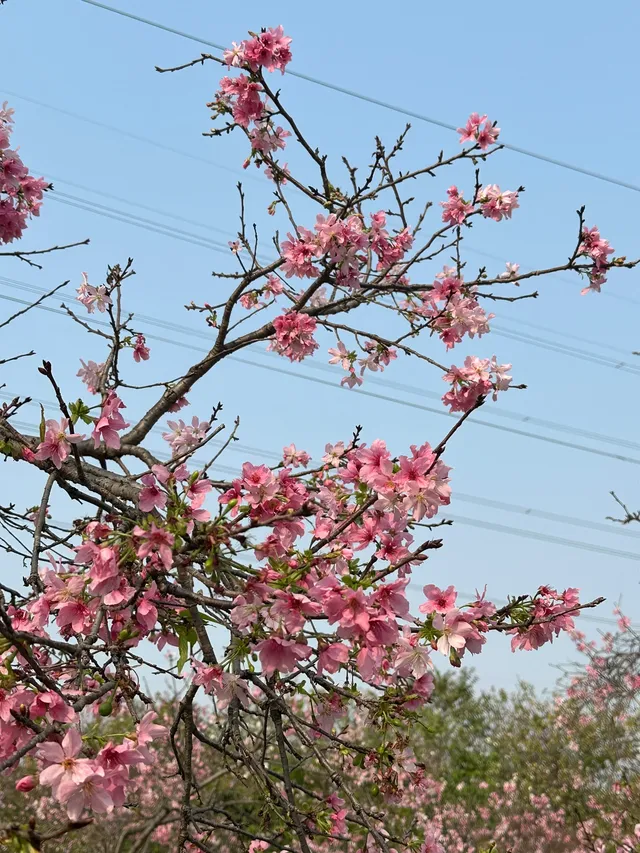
303, 565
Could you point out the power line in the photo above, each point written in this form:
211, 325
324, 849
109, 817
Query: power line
375, 101
198, 240
555, 540
547, 516
543, 537
473, 522
603, 620
614, 529
607, 293
439, 411
139, 204
236, 446
564, 349
135, 136
139, 222
147, 140
190, 237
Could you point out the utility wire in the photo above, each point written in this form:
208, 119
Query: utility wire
103, 193
473, 522
147, 140
439, 411
216, 245
474, 250
138, 222
375, 101
192, 331
542, 537
249, 175
260, 452
547, 516
500, 528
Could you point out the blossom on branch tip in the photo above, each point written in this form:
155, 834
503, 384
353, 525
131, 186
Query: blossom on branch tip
479, 130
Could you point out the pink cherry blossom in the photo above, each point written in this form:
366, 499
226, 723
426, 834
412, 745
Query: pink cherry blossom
140, 349
455, 631
184, 437
455, 210
151, 496
110, 422
299, 253
155, 540
53, 706
269, 49
88, 793
93, 297
293, 335
438, 600
57, 442
331, 658
497, 204
62, 762
90, 373
295, 458
277, 653
479, 130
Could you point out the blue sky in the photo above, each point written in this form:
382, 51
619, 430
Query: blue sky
555, 86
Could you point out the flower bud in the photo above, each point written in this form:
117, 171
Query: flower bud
26, 784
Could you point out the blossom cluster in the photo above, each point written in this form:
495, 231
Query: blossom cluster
477, 378
377, 356
269, 49
96, 783
452, 308
480, 131
20, 193
598, 249
344, 243
493, 202
242, 96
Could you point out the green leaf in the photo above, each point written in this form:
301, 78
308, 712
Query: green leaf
183, 647
80, 411
187, 639
43, 426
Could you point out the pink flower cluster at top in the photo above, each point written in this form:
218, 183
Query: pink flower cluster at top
20, 193
480, 131
270, 49
98, 783
242, 96
594, 247
476, 379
